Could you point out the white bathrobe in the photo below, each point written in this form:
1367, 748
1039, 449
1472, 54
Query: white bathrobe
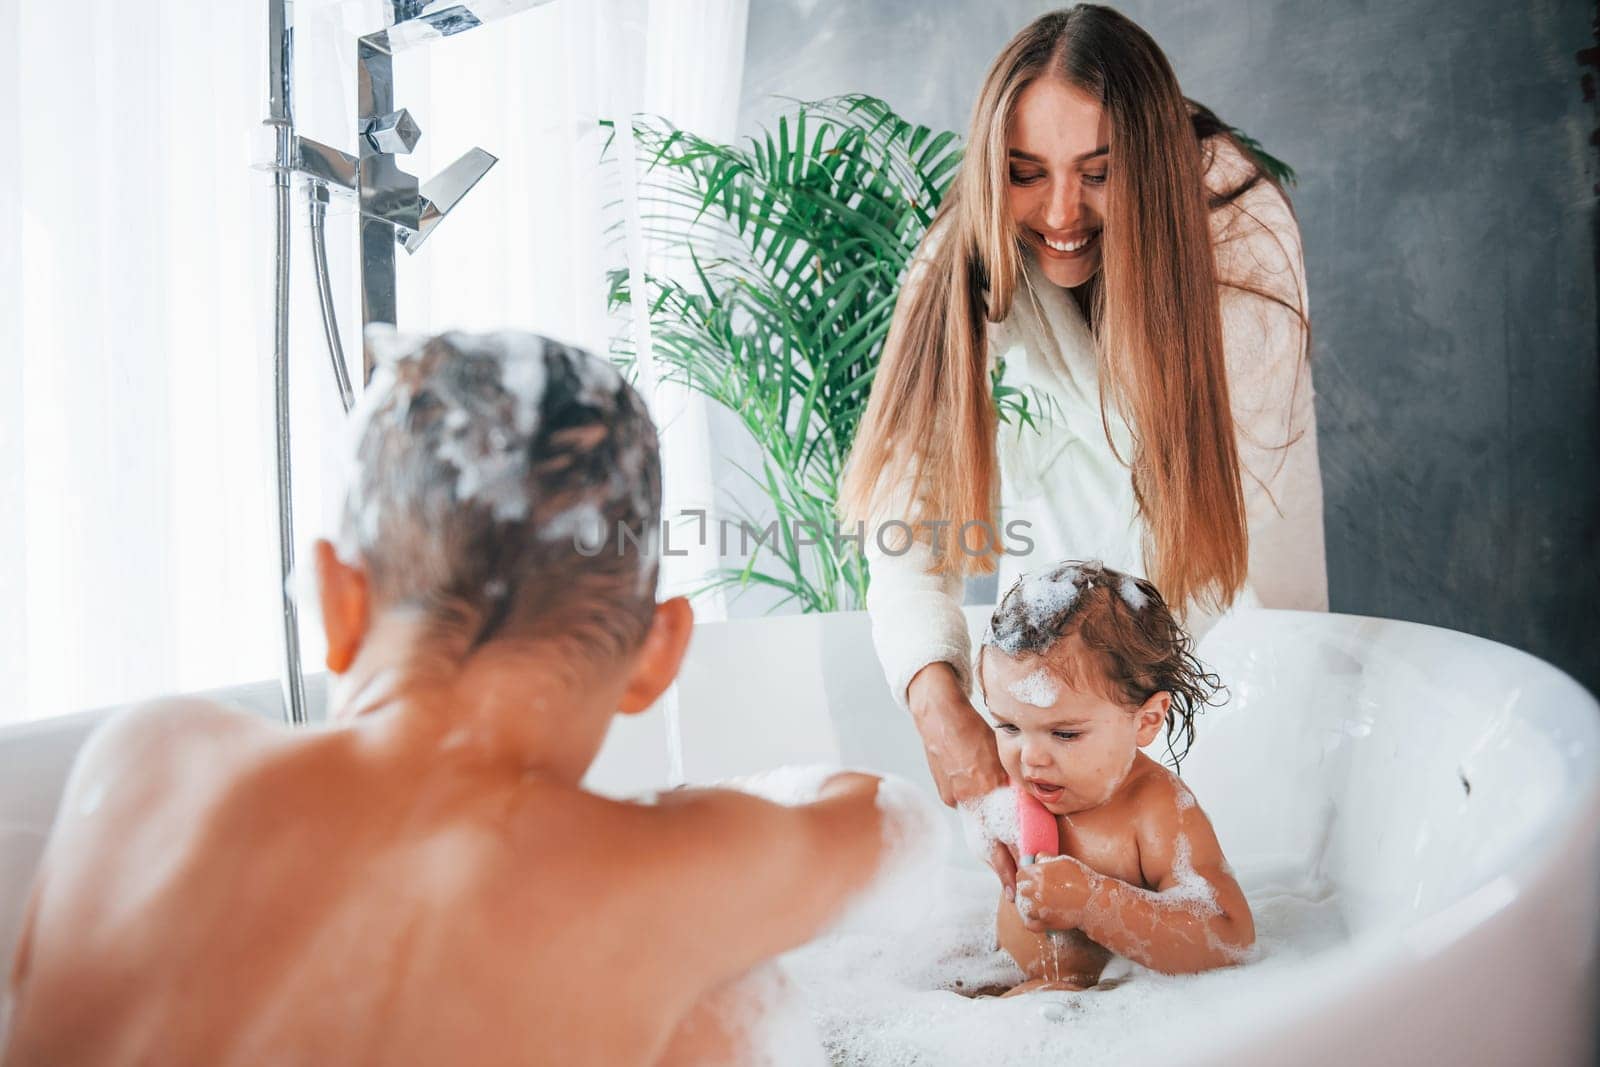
1064, 479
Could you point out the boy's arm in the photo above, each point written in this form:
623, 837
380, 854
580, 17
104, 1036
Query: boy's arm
747, 879
1196, 919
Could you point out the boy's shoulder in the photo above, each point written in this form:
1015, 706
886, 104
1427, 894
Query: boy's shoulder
151, 734
555, 826
148, 756
666, 839
572, 817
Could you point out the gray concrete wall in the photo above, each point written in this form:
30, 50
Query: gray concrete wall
1446, 198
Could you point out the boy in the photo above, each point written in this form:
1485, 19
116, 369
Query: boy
424, 881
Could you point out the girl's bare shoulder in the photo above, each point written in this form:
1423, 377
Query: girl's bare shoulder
1157, 794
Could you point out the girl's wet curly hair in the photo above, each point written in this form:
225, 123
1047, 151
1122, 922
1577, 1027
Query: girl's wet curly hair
1124, 624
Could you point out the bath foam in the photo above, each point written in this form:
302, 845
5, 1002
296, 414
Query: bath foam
492, 463
302, 587
1132, 595
1045, 595
893, 999
481, 414
490, 469
387, 346
774, 1027
910, 878
1041, 599
1038, 689
1189, 887
991, 818
583, 523
522, 371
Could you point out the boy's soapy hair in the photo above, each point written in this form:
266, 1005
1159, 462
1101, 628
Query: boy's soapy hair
508, 487
1123, 624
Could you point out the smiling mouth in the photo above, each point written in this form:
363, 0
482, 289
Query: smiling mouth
1069, 249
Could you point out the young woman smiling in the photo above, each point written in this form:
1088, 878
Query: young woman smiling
1112, 250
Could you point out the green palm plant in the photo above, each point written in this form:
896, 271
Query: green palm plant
793, 246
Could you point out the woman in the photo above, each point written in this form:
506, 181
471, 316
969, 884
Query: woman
1110, 250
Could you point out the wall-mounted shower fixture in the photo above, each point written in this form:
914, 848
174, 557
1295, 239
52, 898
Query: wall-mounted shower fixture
394, 207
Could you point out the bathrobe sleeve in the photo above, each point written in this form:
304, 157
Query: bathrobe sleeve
916, 615
1261, 269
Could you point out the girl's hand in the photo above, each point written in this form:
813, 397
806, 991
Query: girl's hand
1052, 893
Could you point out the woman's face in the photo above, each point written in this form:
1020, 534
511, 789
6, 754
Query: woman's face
1057, 143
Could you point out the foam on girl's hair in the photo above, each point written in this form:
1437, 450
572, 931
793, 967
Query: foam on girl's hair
1038, 689
1041, 598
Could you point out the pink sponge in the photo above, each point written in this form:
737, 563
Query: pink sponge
1036, 827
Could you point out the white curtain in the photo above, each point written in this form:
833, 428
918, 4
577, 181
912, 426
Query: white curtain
137, 530
546, 81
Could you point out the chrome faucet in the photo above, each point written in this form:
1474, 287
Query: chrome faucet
394, 208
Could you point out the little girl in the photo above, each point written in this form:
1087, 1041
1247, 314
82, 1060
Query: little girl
1081, 667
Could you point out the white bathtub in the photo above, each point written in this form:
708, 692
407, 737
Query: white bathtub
1448, 788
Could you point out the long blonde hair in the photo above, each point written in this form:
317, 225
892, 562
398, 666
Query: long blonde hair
1154, 304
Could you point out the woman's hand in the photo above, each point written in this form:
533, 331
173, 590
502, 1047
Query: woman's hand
959, 744
960, 749
1052, 893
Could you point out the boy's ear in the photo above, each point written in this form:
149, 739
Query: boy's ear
658, 659
346, 606
1153, 717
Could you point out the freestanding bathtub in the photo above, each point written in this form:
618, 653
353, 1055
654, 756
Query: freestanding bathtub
1445, 787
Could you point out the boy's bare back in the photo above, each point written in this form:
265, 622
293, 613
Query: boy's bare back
311, 898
